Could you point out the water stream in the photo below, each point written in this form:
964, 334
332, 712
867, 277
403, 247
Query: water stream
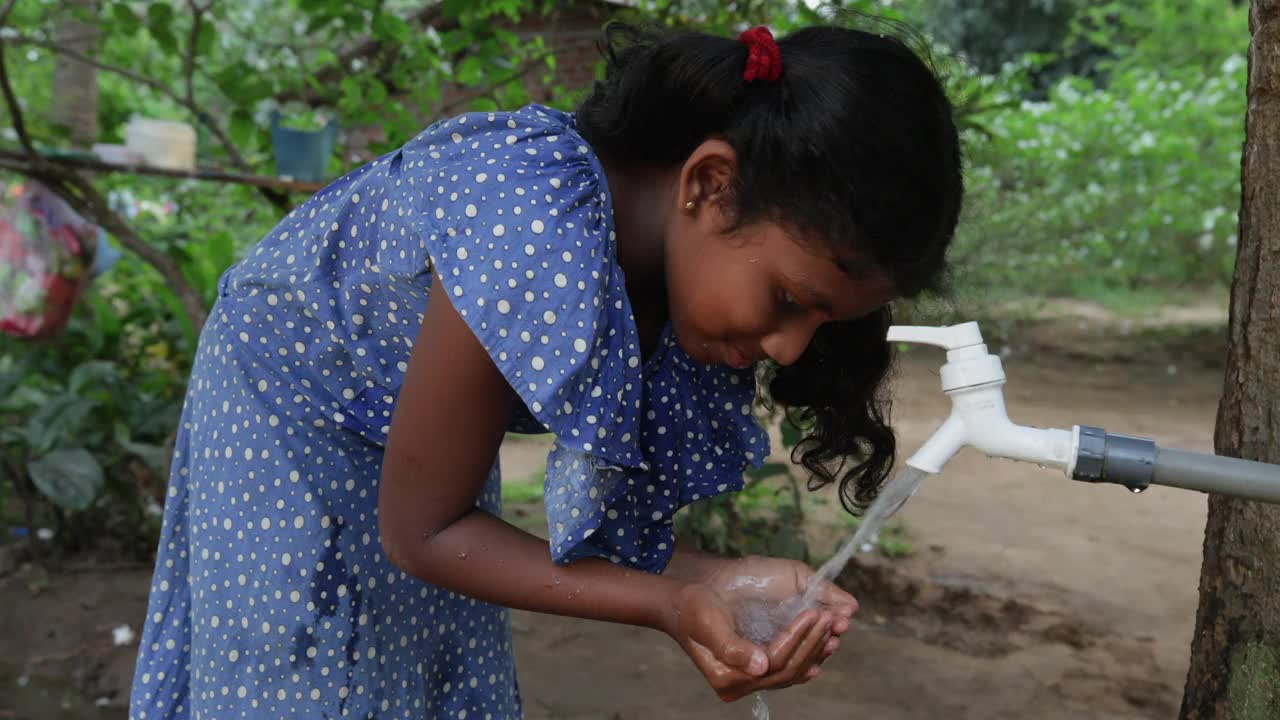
759, 620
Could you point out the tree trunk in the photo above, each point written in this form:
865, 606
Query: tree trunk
1235, 653
75, 97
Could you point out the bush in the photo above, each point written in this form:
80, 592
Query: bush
1132, 182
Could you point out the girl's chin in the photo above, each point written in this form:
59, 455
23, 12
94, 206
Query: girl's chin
697, 348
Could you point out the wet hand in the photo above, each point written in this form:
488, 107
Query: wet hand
775, 582
702, 622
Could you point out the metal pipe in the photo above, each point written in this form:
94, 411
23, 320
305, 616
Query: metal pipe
1217, 474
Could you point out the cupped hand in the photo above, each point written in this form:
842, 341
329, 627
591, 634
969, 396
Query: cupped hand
704, 626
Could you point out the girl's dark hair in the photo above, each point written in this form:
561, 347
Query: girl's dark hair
853, 147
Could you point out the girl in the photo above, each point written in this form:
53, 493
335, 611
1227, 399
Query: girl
331, 543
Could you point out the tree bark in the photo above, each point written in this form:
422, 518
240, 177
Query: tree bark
1235, 652
75, 83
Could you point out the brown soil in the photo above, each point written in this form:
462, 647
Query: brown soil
1028, 595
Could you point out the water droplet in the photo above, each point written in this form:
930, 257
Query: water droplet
462, 556
1137, 490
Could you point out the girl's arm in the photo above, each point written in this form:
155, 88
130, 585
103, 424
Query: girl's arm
450, 419
691, 565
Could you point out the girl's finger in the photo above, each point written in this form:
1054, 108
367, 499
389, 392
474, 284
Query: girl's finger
717, 634
840, 625
832, 646
807, 654
784, 645
838, 599
720, 676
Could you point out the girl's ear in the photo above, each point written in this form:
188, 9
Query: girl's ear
706, 179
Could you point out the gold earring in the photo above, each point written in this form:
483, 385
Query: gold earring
689, 206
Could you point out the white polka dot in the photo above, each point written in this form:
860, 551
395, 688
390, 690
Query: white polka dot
536, 226
561, 280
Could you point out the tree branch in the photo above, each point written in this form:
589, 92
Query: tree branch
18, 162
11, 100
86, 200
277, 199
4, 12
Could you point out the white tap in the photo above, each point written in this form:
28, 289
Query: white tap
974, 379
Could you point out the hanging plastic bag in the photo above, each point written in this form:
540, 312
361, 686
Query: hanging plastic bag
47, 254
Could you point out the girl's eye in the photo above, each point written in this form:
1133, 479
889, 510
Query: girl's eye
787, 302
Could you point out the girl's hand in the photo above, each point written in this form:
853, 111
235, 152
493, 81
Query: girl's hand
774, 582
702, 622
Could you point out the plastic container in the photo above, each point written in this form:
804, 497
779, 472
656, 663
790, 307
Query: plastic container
162, 143
303, 154
117, 155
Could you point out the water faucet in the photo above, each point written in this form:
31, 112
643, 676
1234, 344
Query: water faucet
974, 380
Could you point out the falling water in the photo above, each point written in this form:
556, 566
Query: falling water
758, 620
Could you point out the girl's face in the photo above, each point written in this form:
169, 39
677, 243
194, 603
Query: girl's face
756, 294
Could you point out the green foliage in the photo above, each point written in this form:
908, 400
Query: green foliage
893, 540
991, 34
765, 518
1121, 184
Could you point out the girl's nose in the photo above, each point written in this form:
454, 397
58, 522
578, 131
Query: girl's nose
786, 344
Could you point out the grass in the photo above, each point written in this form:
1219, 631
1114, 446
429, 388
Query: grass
523, 491
894, 540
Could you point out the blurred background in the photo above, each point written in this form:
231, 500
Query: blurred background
146, 145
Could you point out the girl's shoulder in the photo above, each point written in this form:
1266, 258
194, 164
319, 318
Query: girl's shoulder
531, 135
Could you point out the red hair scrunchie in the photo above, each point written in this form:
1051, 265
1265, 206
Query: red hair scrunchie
764, 59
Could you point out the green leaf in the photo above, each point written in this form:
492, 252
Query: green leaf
244, 85
160, 25
92, 372
105, 319
242, 127
206, 38
24, 398
471, 71
391, 27
70, 478
126, 22
58, 419
768, 470
791, 435
154, 456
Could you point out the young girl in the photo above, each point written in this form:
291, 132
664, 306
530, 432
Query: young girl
332, 545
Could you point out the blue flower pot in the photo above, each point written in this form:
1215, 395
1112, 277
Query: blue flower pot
303, 154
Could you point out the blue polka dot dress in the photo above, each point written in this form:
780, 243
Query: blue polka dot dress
272, 597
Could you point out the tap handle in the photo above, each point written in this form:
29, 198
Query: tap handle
952, 337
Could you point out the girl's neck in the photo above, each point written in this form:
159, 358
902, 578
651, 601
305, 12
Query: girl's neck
641, 205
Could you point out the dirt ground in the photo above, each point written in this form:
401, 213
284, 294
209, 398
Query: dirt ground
1028, 595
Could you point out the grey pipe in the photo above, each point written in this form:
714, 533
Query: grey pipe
1217, 474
